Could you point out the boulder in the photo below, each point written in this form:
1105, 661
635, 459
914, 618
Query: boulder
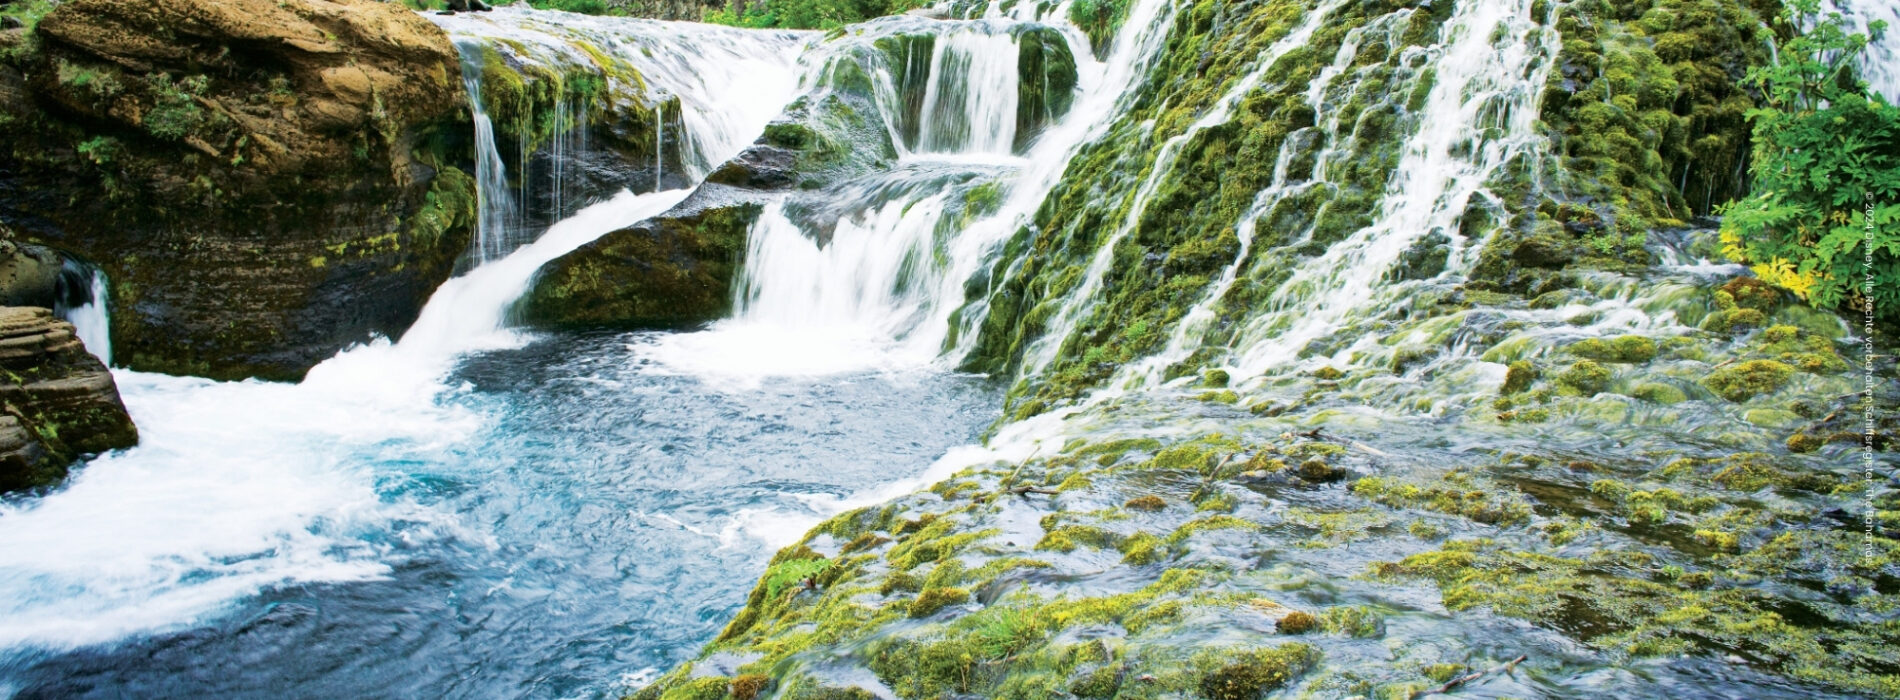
57, 401
672, 270
264, 181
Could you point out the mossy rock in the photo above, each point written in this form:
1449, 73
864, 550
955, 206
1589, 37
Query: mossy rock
1586, 377
1629, 349
673, 270
1747, 380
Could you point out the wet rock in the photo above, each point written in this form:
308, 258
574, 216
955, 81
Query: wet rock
673, 270
264, 183
29, 274
57, 401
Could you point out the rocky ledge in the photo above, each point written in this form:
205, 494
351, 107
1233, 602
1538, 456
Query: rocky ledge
57, 401
263, 182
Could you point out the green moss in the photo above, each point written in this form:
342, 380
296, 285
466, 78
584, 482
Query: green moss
1246, 675
1148, 503
1143, 549
1623, 348
1657, 392
1747, 380
931, 600
1586, 378
710, 688
1455, 493
1518, 377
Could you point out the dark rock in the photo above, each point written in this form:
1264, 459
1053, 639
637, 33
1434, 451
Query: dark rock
265, 185
29, 274
672, 270
761, 166
57, 401
1545, 250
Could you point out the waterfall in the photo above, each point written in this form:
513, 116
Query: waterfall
1075, 307
81, 301
970, 98
1879, 63
239, 488
881, 288
726, 83
1481, 112
495, 202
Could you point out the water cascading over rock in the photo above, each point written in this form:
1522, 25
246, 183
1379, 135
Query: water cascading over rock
905, 119
569, 109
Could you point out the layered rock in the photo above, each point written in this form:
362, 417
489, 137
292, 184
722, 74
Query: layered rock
265, 182
57, 401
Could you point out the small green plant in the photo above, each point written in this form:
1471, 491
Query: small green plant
175, 112
1824, 214
101, 150
790, 574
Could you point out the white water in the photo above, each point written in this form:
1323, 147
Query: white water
1490, 75
1077, 305
92, 321
1879, 64
879, 294
728, 84
971, 95
496, 214
237, 487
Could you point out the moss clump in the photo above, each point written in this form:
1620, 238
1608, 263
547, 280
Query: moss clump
1297, 622
1143, 549
1808, 352
1456, 493
749, 686
1519, 377
1214, 378
1327, 373
1149, 503
1629, 349
1068, 537
934, 599
1249, 674
1657, 392
710, 688
1749, 379
1586, 378
1802, 443
1102, 682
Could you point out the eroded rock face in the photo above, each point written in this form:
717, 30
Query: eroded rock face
265, 182
57, 401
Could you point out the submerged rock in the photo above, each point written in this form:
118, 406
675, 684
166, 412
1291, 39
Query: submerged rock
57, 401
264, 182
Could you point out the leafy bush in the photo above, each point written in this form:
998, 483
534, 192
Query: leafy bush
585, 7
809, 14
1826, 161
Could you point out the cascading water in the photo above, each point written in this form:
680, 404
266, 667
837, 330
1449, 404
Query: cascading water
883, 287
1079, 302
1481, 112
604, 69
375, 480
970, 97
82, 302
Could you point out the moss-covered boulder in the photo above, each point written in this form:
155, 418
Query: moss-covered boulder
672, 270
57, 401
264, 182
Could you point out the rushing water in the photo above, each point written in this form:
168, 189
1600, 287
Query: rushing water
475, 511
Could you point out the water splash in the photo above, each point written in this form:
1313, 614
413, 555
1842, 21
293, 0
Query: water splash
83, 301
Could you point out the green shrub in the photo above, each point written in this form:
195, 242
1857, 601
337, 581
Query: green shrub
1826, 164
